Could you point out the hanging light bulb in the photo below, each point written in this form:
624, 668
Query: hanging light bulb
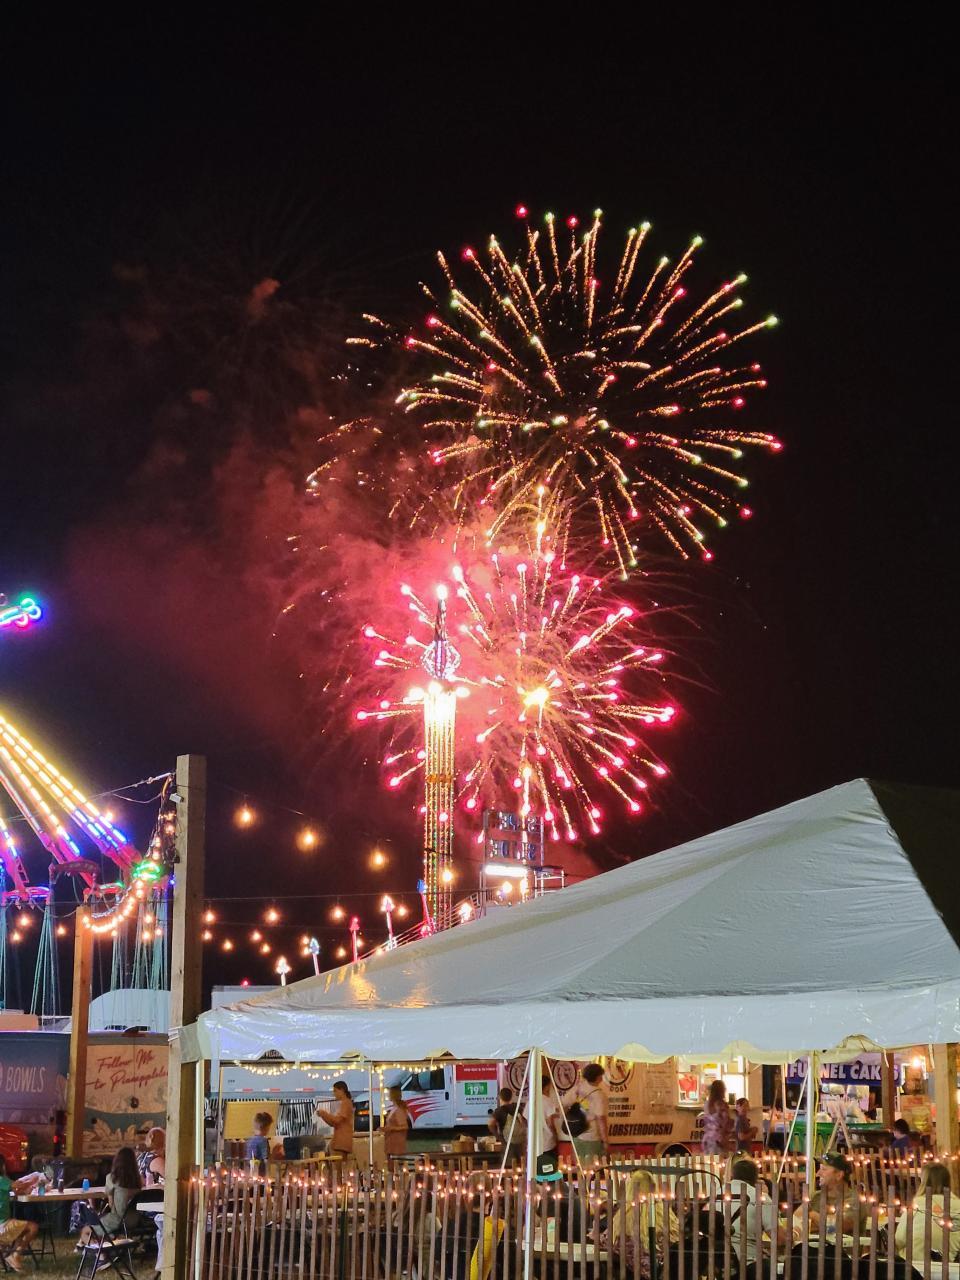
378, 859
23, 920
16, 936
337, 913
271, 915
226, 945
265, 949
148, 917
244, 816
206, 935
61, 930
446, 875
256, 936
308, 838
209, 916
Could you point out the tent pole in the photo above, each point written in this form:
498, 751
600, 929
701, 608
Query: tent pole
370, 1114
813, 1093
199, 1136
534, 1125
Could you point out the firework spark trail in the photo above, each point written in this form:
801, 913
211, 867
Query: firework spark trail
538, 376
556, 683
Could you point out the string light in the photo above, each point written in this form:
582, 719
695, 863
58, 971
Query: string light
378, 859
271, 915
244, 816
209, 916
307, 839
206, 935
226, 945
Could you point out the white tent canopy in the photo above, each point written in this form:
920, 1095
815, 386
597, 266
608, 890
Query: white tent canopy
813, 927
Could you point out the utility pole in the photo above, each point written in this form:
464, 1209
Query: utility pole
184, 1106
945, 1101
888, 1090
79, 1031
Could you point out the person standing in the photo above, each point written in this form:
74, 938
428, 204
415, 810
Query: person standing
508, 1122
397, 1125
591, 1093
744, 1131
258, 1147
550, 1117
718, 1134
340, 1118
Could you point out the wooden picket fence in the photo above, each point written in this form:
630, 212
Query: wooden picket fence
426, 1223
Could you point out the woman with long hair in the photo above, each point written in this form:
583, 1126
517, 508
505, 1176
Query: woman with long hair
944, 1242
620, 1236
123, 1184
340, 1117
718, 1132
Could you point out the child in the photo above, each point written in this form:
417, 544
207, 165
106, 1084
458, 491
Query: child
744, 1131
258, 1147
12, 1230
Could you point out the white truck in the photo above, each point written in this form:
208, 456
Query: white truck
440, 1097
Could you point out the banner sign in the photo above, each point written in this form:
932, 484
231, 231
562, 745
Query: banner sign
33, 1076
864, 1070
126, 1092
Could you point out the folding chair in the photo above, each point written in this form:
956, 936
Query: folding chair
104, 1252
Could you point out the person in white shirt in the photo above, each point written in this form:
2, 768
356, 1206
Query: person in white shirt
591, 1092
550, 1116
752, 1207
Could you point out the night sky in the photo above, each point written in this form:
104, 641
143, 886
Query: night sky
203, 162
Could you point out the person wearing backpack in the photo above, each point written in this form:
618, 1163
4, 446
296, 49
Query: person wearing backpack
591, 1141
510, 1124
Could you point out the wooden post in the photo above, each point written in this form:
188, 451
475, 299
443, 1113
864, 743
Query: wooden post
79, 1031
183, 1104
945, 1097
888, 1091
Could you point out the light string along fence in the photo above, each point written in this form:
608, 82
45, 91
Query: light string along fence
678, 1217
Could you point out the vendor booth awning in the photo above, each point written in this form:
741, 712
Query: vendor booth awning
830, 924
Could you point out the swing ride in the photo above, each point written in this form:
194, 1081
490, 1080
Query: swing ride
56, 834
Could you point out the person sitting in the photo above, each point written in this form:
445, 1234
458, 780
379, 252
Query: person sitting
744, 1131
123, 1184
151, 1160
902, 1137
619, 1236
944, 1240
754, 1214
15, 1234
837, 1201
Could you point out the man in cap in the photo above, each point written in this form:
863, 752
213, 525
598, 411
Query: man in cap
837, 1199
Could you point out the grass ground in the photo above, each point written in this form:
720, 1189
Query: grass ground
64, 1267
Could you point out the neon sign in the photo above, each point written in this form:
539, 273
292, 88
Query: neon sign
20, 613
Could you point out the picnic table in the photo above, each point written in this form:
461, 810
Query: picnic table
61, 1197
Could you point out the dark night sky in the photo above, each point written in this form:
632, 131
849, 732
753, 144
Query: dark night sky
812, 165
